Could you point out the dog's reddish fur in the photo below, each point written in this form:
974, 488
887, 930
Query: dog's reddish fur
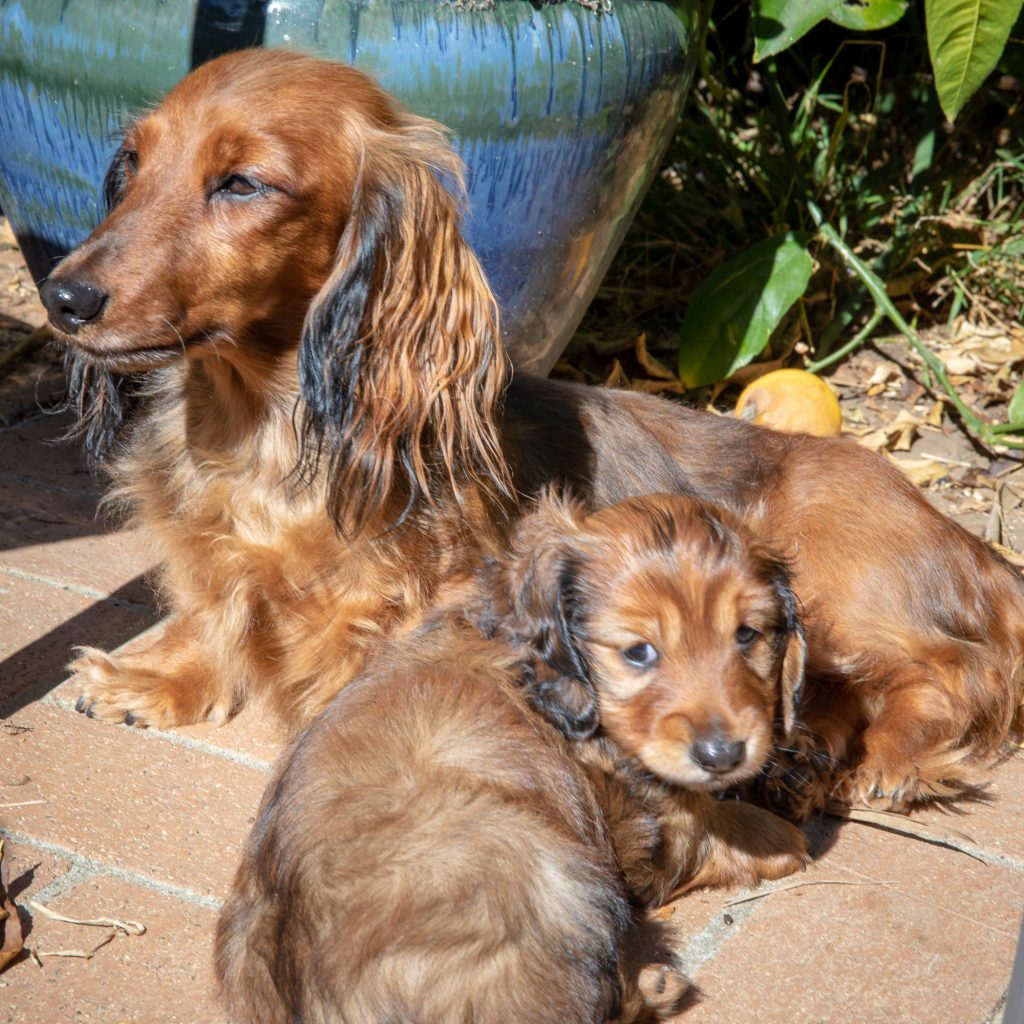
579, 595
340, 294
429, 850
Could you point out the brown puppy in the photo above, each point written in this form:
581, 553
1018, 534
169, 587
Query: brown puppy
429, 851
668, 616
280, 252
666, 612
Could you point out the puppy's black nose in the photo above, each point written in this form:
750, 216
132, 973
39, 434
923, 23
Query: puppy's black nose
718, 754
71, 304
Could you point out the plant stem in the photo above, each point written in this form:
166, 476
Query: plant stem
846, 349
982, 430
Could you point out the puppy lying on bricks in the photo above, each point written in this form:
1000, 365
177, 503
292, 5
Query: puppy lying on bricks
674, 619
430, 852
668, 616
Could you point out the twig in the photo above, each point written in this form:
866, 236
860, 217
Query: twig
796, 885
855, 342
128, 927
901, 824
23, 803
82, 954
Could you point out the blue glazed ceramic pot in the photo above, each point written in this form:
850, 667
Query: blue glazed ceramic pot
561, 114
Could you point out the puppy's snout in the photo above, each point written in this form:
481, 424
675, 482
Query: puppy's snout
717, 753
71, 304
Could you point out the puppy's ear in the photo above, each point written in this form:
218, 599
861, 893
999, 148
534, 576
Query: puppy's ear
794, 653
541, 582
400, 365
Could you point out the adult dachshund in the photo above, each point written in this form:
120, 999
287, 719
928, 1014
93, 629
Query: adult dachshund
330, 438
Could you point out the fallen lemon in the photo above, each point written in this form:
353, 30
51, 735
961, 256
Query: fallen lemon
792, 400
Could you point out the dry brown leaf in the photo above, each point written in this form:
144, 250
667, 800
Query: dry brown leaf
653, 367
895, 436
883, 374
617, 376
960, 365
12, 938
923, 472
935, 414
745, 374
1013, 557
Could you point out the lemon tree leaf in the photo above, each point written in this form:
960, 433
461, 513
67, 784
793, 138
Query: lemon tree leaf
778, 24
867, 15
732, 314
965, 41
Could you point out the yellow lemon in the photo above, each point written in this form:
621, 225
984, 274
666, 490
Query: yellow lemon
791, 400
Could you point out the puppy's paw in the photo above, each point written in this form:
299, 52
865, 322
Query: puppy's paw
796, 783
878, 785
663, 989
787, 853
120, 689
747, 844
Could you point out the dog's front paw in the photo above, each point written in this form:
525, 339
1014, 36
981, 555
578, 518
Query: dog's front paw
877, 786
663, 989
120, 689
796, 783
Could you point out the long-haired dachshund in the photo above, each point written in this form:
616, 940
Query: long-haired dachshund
429, 850
329, 437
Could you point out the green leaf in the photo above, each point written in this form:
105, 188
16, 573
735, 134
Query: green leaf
1015, 412
778, 24
867, 15
965, 40
732, 315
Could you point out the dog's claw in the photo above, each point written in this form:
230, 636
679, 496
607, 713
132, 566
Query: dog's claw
80, 705
129, 718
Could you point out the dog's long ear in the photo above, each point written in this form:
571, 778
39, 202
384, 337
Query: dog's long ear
794, 651
400, 366
542, 612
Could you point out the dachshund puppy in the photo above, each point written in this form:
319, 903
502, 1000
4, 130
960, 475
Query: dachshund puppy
663, 614
671, 619
429, 851
329, 438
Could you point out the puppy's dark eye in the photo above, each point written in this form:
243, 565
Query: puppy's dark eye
131, 160
746, 635
642, 655
238, 186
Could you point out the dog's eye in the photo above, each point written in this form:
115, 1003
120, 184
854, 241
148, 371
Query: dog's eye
746, 635
642, 655
131, 160
239, 186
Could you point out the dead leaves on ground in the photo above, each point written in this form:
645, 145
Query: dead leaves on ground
12, 936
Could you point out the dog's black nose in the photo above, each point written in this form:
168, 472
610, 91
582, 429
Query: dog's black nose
71, 304
718, 754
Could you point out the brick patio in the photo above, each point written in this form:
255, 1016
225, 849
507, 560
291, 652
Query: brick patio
147, 826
